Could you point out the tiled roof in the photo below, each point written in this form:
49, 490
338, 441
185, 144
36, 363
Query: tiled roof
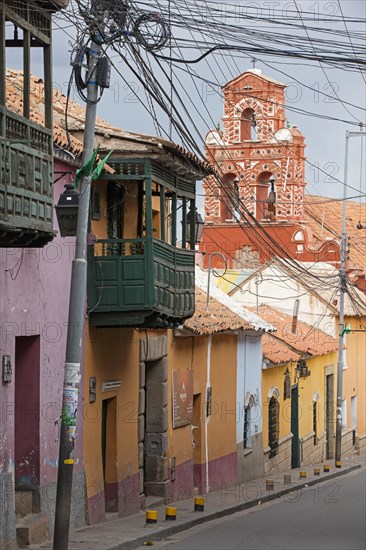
256, 322
307, 339
14, 100
276, 351
130, 142
218, 318
324, 217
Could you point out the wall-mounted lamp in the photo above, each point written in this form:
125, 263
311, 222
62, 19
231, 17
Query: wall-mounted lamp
302, 369
67, 211
287, 385
7, 371
198, 226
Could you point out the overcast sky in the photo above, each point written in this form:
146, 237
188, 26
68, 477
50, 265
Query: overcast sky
325, 139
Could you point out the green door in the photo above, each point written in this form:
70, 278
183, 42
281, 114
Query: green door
295, 446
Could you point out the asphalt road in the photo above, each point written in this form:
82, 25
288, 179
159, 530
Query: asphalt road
330, 515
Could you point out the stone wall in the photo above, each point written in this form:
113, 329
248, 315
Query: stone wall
360, 444
153, 418
250, 461
7, 513
312, 454
347, 443
282, 461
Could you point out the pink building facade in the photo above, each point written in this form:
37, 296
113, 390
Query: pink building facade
34, 298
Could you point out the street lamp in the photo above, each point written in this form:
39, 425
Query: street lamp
196, 219
67, 211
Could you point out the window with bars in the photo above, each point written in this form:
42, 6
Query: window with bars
247, 439
273, 425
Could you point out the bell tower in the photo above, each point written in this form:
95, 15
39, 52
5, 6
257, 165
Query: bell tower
259, 156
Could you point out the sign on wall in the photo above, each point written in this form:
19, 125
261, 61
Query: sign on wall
182, 381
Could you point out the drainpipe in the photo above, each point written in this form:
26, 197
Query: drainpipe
207, 417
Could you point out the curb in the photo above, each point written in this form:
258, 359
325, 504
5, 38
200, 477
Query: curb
166, 531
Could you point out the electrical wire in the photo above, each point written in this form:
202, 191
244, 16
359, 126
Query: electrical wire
158, 97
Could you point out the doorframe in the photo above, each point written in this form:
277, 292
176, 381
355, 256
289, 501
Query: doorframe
27, 355
329, 409
154, 350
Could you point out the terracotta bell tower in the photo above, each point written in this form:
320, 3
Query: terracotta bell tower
260, 158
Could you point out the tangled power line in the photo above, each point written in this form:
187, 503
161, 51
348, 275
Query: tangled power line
153, 46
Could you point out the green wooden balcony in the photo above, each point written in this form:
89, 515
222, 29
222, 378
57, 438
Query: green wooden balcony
139, 282
25, 182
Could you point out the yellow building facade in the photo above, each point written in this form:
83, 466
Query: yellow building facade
298, 394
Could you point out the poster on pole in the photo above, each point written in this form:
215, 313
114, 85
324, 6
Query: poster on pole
182, 393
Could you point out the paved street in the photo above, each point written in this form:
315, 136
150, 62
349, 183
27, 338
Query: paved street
326, 516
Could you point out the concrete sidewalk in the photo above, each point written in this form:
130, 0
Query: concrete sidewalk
130, 532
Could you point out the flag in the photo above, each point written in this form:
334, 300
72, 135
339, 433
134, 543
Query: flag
98, 169
88, 169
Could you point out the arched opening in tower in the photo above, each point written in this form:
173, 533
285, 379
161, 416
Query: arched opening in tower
248, 130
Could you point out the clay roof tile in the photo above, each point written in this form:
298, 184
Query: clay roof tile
306, 339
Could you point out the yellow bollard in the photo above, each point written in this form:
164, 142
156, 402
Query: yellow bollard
302, 474
317, 471
170, 513
326, 468
199, 504
151, 517
338, 464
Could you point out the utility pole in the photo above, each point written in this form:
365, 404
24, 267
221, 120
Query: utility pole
75, 322
106, 24
342, 290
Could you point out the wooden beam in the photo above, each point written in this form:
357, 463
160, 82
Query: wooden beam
174, 219
19, 43
184, 223
47, 64
2, 60
26, 25
26, 74
162, 213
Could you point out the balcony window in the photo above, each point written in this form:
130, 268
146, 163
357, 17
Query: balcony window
139, 274
25, 137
